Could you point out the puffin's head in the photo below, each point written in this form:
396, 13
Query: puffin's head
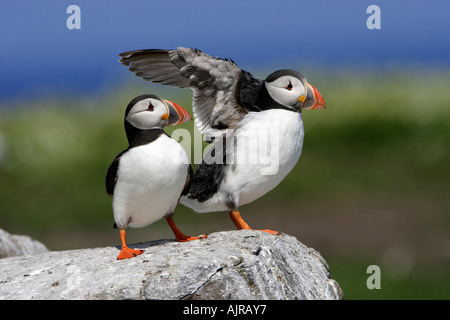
290, 89
149, 111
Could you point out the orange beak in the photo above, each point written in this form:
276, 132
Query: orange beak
314, 99
177, 114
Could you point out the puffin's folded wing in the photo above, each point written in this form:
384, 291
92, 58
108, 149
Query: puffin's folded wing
111, 174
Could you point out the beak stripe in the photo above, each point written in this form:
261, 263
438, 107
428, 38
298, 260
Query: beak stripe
177, 114
317, 99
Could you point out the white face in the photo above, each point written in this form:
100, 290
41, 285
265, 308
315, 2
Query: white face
148, 113
286, 90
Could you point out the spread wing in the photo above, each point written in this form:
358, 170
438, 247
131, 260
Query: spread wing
218, 101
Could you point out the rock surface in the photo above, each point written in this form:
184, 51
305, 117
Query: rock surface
226, 265
18, 245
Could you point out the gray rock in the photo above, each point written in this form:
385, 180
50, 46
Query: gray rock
226, 265
18, 245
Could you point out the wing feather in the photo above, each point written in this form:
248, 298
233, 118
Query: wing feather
215, 82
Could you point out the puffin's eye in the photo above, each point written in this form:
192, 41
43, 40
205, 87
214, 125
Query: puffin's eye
150, 107
289, 86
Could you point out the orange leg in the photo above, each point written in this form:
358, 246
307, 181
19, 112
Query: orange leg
235, 216
126, 252
179, 236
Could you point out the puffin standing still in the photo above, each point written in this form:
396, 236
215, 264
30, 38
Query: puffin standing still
147, 179
228, 99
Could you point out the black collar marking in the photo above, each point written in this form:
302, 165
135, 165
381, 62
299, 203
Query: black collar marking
138, 137
266, 102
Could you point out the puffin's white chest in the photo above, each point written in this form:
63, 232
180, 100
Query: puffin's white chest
274, 144
150, 180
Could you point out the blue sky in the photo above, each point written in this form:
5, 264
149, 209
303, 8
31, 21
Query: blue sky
39, 53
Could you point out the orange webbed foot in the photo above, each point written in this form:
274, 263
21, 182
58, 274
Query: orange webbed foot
242, 225
180, 236
127, 253
277, 233
183, 238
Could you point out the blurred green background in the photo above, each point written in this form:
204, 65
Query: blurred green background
371, 187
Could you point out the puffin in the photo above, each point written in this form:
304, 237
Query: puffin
255, 127
147, 179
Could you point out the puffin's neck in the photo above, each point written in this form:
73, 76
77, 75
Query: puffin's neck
137, 137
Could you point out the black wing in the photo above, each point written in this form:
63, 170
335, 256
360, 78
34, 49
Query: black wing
188, 183
209, 175
111, 175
